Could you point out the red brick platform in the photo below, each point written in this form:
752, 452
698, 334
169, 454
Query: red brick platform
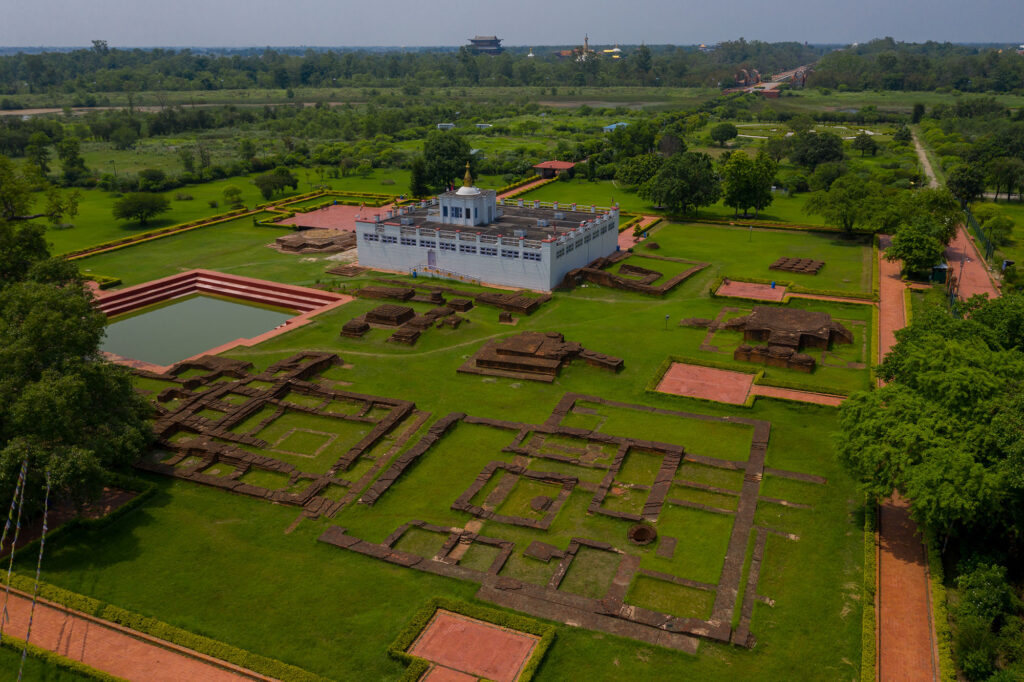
464, 648
758, 292
337, 217
727, 386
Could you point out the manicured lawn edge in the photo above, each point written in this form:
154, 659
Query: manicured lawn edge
58, 661
875, 343
647, 228
869, 641
157, 234
417, 666
739, 222
940, 616
876, 269
908, 306
520, 192
150, 626
175, 635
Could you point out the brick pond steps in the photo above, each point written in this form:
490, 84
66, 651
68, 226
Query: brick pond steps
301, 299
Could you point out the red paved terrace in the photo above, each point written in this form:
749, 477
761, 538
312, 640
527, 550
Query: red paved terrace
549, 169
760, 292
727, 386
457, 644
336, 217
307, 302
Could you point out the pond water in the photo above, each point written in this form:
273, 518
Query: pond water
167, 333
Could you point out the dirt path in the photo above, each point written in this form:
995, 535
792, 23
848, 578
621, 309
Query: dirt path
112, 648
925, 163
906, 637
969, 267
905, 631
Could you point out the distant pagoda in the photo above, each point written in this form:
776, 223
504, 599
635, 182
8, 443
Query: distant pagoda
486, 45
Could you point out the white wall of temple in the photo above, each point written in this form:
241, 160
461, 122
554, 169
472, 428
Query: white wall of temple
508, 261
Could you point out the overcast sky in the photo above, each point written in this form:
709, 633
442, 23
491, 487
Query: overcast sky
131, 23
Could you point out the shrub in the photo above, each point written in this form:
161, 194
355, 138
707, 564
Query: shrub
213, 203
183, 196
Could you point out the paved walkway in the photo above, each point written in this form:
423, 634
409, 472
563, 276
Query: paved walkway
906, 638
112, 648
969, 267
729, 386
524, 188
626, 238
905, 632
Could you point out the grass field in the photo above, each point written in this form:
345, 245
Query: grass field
222, 565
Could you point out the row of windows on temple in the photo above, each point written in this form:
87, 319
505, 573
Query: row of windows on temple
449, 246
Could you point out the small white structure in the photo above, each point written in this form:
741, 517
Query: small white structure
467, 234
445, 126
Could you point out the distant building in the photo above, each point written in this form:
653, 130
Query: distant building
483, 126
614, 53
445, 126
549, 169
531, 53
1020, 50
614, 126
469, 234
486, 45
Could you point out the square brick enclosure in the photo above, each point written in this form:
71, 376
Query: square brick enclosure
305, 301
474, 647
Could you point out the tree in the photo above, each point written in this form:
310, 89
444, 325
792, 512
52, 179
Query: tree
850, 202
272, 182
38, 151
445, 156
187, 158
59, 205
801, 123
642, 60
776, 147
902, 136
233, 196
966, 182
917, 245
865, 144
671, 141
904, 208
152, 179
418, 184
723, 132
637, 170
140, 206
21, 246
683, 183
810, 148
1006, 172
15, 191
747, 183
124, 136
70, 155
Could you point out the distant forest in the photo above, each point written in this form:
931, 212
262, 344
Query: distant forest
878, 65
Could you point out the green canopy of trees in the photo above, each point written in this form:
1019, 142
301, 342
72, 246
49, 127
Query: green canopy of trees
445, 155
140, 206
684, 182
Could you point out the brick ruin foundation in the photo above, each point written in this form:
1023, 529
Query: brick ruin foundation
529, 444
784, 331
409, 324
800, 266
315, 241
631, 276
535, 356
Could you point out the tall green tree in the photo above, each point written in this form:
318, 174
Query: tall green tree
38, 151
15, 191
966, 182
445, 154
917, 245
723, 132
69, 151
418, 184
850, 202
643, 62
865, 144
684, 183
746, 182
141, 206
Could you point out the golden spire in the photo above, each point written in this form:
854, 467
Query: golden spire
468, 180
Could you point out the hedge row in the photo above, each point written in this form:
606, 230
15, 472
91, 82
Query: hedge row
524, 191
765, 224
650, 226
868, 620
512, 621
876, 270
57, 661
940, 616
633, 220
156, 234
105, 281
875, 345
518, 184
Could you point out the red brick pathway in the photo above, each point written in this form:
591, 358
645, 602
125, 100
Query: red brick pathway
114, 649
968, 266
473, 648
906, 640
337, 217
905, 632
760, 292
